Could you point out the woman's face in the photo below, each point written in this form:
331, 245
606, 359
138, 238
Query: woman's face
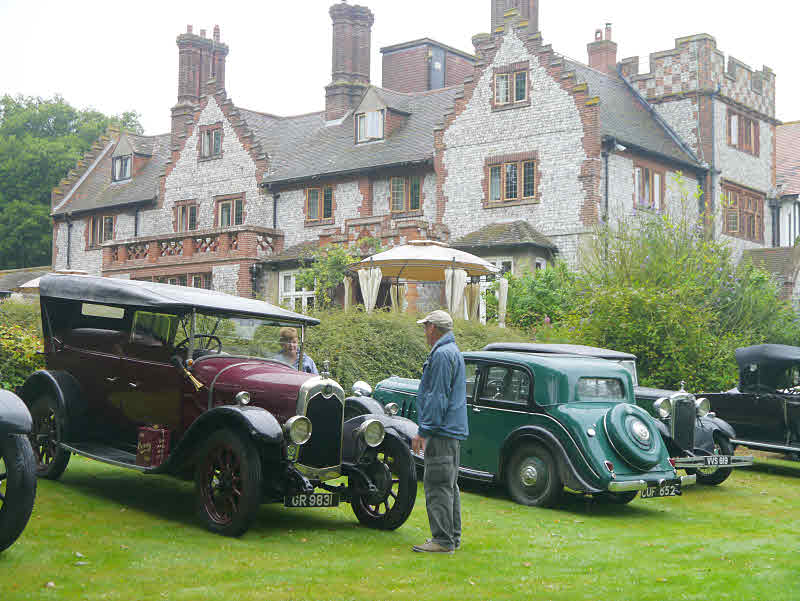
290, 347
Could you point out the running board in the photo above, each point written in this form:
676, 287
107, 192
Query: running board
106, 454
766, 445
463, 472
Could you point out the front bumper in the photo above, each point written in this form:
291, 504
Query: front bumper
702, 461
630, 485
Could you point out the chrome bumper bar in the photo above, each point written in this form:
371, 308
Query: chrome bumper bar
630, 485
701, 461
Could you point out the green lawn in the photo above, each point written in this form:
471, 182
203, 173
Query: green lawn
107, 533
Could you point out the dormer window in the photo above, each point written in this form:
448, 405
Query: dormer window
511, 86
210, 141
121, 168
369, 126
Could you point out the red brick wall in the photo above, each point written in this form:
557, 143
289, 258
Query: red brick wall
406, 70
457, 68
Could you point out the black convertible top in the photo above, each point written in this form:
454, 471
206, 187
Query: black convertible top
774, 354
113, 291
561, 349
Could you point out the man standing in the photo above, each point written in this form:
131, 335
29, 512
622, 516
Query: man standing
442, 415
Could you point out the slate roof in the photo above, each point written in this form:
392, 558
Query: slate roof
13, 278
303, 147
624, 117
97, 191
787, 160
514, 233
781, 262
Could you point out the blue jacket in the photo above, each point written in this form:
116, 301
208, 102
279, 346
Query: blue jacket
442, 396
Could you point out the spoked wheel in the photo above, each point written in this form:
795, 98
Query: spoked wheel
393, 474
17, 486
532, 477
228, 483
713, 475
48, 430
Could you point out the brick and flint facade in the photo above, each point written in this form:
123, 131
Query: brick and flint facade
512, 152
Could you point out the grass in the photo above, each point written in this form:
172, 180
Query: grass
106, 533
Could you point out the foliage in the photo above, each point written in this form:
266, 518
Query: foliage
40, 141
21, 313
373, 346
18, 358
327, 267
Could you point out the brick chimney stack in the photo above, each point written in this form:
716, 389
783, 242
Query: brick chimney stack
528, 11
352, 38
199, 60
603, 52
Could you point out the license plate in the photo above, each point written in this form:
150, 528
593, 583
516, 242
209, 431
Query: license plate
317, 499
667, 490
717, 460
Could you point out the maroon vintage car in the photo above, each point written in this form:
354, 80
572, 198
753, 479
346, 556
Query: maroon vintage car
173, 380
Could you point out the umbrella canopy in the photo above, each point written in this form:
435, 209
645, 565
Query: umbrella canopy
425, 261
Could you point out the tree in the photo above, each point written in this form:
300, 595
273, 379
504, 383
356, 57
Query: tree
40, 141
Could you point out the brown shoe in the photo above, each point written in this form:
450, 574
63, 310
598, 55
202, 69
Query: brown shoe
431, 547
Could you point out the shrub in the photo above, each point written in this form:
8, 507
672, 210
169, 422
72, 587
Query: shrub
24, 314
18, 358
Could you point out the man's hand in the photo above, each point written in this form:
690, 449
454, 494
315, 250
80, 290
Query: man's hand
418, 444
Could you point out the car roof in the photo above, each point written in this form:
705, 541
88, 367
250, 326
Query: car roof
767, 353
561, 349
568, 365
168, 297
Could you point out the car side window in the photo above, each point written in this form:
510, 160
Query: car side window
153, 330
506, 384
472, 378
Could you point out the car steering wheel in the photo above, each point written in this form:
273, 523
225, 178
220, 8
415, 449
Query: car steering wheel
184, 344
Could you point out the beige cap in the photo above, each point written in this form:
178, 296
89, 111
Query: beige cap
438, 318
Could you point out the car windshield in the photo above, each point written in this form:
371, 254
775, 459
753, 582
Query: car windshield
600, 389
242, 335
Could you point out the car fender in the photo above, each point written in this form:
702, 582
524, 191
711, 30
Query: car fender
363, 404
14, 415
254, 422
67, 392
710, 426
566, 468
400, 427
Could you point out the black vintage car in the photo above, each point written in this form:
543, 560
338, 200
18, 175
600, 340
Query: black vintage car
17, 468
765, 408
698, 440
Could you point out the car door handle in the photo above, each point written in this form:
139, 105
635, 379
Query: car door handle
476, 409
111, 380
133, 385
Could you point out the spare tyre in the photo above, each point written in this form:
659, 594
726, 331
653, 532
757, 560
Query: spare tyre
632, 433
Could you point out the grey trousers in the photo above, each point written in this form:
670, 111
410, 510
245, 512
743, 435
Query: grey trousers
442, 498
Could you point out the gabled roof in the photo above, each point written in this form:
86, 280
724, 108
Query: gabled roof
787, 159
97, 191
626, 118
304, 147
504, 234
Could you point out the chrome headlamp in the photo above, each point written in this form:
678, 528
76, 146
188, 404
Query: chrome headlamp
361, 388
243, 397
371, 432
298, 428
703, 406
391, 408
663, 407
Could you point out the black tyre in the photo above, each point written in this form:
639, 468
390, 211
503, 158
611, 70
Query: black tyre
392, 471
712, 475
228, 483
17, 486
617, 498
48, 429
532, 476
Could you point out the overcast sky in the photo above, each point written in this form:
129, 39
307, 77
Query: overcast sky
115, 57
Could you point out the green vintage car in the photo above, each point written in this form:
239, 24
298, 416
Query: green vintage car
540, 424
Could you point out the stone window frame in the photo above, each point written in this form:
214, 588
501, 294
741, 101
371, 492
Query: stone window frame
651, 170
743, 207
511, 71
737, 126
520, 158
207, 132
181, 216
96, 230
321, 219
233, 200
358, 118
306, 297
127, 161
406, 181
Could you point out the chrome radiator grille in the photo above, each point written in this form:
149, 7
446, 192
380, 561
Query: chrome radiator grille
324, 449
683, 418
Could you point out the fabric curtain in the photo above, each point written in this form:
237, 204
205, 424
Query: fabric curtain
472, 297
398, 294
348, 284
370, 282
455, 281
502, 301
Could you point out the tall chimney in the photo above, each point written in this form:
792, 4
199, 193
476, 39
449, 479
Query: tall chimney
603, 52
352, 33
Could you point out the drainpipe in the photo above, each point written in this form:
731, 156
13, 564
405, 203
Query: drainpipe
69, 236
713, 148
604, 154
275, 197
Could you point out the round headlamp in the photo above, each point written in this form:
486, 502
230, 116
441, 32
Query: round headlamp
243, 397
361, 388
703, 406
298, 428
372, 432
663, 407
391, 408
